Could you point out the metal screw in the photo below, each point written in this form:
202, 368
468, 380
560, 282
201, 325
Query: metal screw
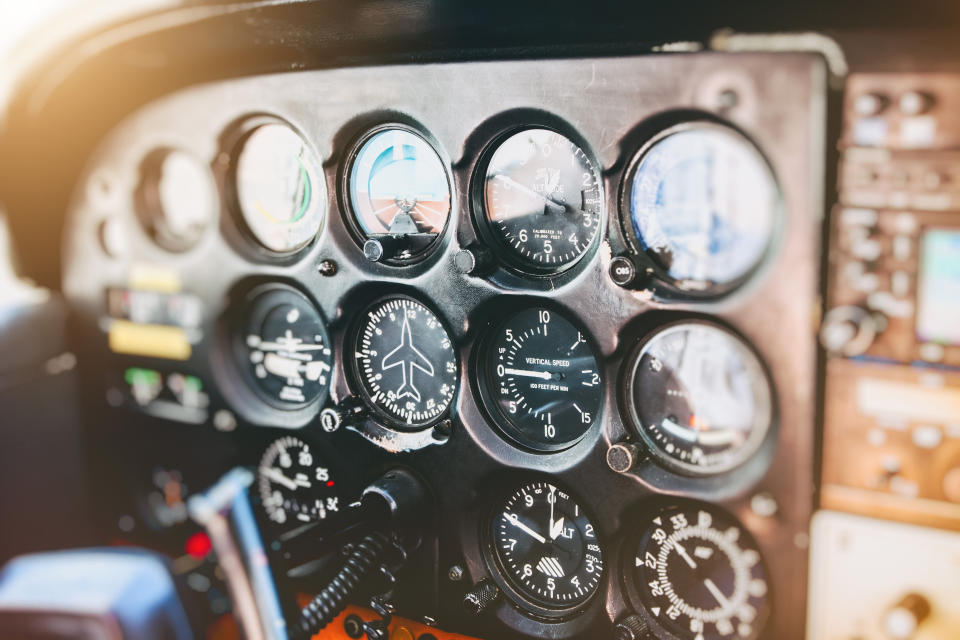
764, 505
455, 573
353, 626
443, 429
430, 621
327, 268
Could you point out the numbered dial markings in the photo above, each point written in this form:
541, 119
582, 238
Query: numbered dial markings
295, 485
547, 547
405, 362
542, 200
700, 397
286, 349
543, 379
700, 575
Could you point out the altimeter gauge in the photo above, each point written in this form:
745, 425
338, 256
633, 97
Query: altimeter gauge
405, 363
295, 484
542, 201
546, 546
284, 348
541, 379
699, 574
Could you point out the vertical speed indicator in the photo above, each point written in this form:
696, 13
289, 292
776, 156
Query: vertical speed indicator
541, 380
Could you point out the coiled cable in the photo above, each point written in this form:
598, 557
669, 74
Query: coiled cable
366, 555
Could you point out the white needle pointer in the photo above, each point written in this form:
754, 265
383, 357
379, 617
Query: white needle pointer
526, 373
515, 521
686, 556
279, 478
716, 593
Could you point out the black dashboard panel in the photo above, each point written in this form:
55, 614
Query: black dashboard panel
610, 108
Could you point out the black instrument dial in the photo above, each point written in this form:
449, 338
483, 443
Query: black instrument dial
285, 349
700, 574
295, 484
542, 200
405, 362
700, 398
542, 379
546, 546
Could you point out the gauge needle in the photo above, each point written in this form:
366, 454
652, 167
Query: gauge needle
526, 373
550, 204
683, 554
556, 529
276, 346
279, 478
515, 521
716, 593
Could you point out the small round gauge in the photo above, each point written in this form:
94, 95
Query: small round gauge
700, 574
702, 202
178, 198
280, 188
405, 362
542, 379
285, 349
295, 484
399, 192
542, 200
546, 547
699, 397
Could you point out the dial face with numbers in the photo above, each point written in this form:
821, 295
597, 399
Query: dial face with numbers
542, 200
405, 362
543, 380
295, 484
547, 547
700, 574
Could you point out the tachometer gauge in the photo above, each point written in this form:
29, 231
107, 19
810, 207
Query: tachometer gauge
405, 363
699, 574
295, 484
702, 203
542, 381
280, 188
699, 397
399, 193
285, 349
546, 546
542, 200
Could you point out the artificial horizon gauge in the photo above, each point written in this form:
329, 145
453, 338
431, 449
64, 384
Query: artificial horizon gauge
540, 376
542, 200
285, 349
405, 363
295, 484
699, 574
699, 397
546, 547
702, 202
279, 188
399, 192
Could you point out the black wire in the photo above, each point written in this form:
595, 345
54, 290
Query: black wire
365, 556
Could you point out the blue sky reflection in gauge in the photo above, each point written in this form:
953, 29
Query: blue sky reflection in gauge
398, 185
703, 204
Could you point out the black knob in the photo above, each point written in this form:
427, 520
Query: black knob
348, 412
479, 599
623, 456
622, 271
384, 248
472, 260
632, 628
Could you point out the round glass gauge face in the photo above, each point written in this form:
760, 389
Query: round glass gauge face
543, 200
295, 484
700, 574
543, 380
700, 398
399, 187
405, 363
703, 203
180, 198
280, 188
286, 349
547, 547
